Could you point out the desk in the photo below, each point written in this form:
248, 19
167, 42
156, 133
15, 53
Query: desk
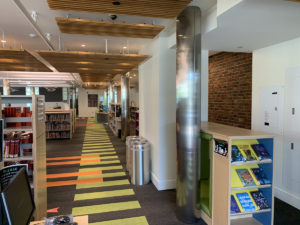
81, 220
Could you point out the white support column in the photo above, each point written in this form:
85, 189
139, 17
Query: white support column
6, 87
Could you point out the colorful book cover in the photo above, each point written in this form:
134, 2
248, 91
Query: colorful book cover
234, 208
260, 176
245, 177
236, 155
246, 202
261, 151
260, 199
247, 152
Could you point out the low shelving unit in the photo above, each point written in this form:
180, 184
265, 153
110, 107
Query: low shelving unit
25, 142
59, 124
114, 118
241, 191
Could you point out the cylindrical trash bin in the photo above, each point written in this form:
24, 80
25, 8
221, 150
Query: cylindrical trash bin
140, 163
128, 140
131, 140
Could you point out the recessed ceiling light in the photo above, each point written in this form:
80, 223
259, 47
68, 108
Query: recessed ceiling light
32, 35
3, 41
124, 47
83, 45
116, 3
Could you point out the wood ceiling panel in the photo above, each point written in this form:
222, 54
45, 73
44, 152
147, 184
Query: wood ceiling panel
107, 28
93, 67
145, 8
20, 60
95, 87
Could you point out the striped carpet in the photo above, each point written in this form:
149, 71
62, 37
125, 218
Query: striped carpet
93, 182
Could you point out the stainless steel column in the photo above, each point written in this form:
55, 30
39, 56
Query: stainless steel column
74, 97
188, 59
125, 106
110, 94
6, 87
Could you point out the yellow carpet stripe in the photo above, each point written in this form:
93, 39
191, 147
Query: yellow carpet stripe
100, 163
101, 168
103, 175
103, 184
100, 153
96, 144
141, 220
111, 207
99, 150
103, 194
97, 147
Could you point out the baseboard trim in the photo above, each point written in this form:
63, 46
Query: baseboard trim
163, 184
287, 197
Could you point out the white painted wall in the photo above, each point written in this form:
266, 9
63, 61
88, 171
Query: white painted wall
224, 5
83, 109
269, 69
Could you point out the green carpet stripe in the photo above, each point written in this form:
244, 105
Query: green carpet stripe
99, 150
109, 157
111, 207
141, 220
103, 184
103, 194
100, 163
96, 144
103, 175
95, 147
101, 168
100, 153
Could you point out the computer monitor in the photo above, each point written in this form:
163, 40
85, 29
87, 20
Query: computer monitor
17, 200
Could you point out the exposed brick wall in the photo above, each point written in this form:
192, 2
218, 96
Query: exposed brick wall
230, 87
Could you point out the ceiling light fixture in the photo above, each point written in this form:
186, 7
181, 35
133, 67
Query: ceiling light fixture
3, 41
83, 45
32, 35
124, 47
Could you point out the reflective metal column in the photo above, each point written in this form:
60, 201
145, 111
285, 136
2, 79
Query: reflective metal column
188, 59
6, 87
125, 106
110, 94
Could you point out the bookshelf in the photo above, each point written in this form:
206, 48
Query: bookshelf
114, 118
60, 124
226, 176
25, 125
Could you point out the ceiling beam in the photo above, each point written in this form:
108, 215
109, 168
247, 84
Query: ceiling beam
42, 60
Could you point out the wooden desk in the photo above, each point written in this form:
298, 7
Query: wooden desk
81, 220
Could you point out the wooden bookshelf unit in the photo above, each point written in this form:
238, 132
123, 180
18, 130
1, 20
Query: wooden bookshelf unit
228, 182
29, 132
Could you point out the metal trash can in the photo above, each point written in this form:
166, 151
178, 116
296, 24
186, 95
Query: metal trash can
140, 171
128, 140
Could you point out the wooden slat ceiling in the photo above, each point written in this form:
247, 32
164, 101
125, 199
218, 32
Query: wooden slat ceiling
107, 28
145, 8
93, 67
95, 87
20, 60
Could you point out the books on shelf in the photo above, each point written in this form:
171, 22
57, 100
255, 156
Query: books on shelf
236, 155
261, 151
246, 202
260, 200
245, 177
247, 152
55, 117
57, 126
260, 176
234, 208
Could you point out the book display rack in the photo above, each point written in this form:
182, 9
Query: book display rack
114, 118
242, 176
25, 142
59, 124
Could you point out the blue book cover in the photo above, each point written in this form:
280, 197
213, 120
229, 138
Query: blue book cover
260, 176
261, 151
260, 199
246, 202
234, 208
236, 155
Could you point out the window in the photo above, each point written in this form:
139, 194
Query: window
92, 100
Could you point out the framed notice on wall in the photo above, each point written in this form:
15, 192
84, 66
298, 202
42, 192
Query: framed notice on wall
92, 100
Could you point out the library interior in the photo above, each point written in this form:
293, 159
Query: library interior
149, 112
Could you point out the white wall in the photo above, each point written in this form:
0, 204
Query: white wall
224, 5
63, 105
269, 69
134, 95
83, 109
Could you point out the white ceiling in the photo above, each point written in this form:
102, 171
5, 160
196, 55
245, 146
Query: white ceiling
254, 24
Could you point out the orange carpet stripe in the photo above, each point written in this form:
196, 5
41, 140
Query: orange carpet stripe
60, 175
73, 182
72, 162
71, 157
